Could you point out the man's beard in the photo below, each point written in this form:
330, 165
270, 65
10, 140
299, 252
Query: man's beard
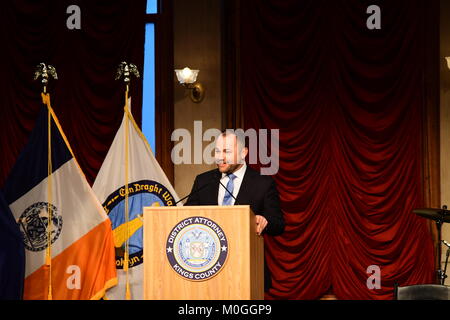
231, 168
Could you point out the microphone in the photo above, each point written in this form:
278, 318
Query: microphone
227, 189
197, 190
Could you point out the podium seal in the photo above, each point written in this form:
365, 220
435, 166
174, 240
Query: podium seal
197, 248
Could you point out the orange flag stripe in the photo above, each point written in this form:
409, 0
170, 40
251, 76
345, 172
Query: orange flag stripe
85, 255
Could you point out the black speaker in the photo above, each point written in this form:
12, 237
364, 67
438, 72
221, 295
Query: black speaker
422, 292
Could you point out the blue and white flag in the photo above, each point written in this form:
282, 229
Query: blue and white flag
130, 161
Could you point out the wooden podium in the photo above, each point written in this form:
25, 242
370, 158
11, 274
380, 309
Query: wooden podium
181, 243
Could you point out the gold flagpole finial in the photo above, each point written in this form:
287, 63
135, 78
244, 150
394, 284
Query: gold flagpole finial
45, 72
126, 70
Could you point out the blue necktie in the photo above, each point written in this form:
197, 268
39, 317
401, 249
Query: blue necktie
230, 186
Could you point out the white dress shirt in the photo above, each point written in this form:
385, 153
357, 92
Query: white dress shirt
237, 184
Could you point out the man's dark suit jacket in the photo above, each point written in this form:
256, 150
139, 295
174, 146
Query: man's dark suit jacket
258, 191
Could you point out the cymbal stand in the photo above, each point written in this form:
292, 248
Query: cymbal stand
444, 276
440, 273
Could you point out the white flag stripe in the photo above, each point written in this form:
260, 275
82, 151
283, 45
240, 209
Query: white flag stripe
135, 276
70, 196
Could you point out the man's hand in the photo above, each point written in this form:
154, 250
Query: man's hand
261, 224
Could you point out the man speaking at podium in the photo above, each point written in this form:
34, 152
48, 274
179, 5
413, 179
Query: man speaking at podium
234, 183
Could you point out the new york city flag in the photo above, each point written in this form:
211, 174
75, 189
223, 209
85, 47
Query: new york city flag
66, 233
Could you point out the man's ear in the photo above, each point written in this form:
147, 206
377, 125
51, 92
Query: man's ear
244, 153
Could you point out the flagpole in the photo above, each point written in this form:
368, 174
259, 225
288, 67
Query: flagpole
126, 70
43, 71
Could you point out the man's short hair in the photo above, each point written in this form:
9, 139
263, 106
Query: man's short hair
239, 134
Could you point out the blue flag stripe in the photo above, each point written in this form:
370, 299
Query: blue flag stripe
12, 255
32, 165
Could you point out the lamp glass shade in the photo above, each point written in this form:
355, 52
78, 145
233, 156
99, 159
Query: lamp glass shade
186, 75
448, 61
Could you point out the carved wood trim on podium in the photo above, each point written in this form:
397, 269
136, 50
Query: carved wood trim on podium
240, 278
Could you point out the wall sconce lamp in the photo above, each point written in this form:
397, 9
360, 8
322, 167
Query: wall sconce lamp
448, 61
188, 78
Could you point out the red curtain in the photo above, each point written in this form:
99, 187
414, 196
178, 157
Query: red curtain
87, 99
349, 104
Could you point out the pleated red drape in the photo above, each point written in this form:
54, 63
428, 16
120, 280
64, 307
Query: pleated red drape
86, 97
349, 104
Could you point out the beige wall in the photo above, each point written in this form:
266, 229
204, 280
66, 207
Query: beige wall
445, 115
197, 45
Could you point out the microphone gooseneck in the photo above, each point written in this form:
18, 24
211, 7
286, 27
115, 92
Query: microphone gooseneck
196, 190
